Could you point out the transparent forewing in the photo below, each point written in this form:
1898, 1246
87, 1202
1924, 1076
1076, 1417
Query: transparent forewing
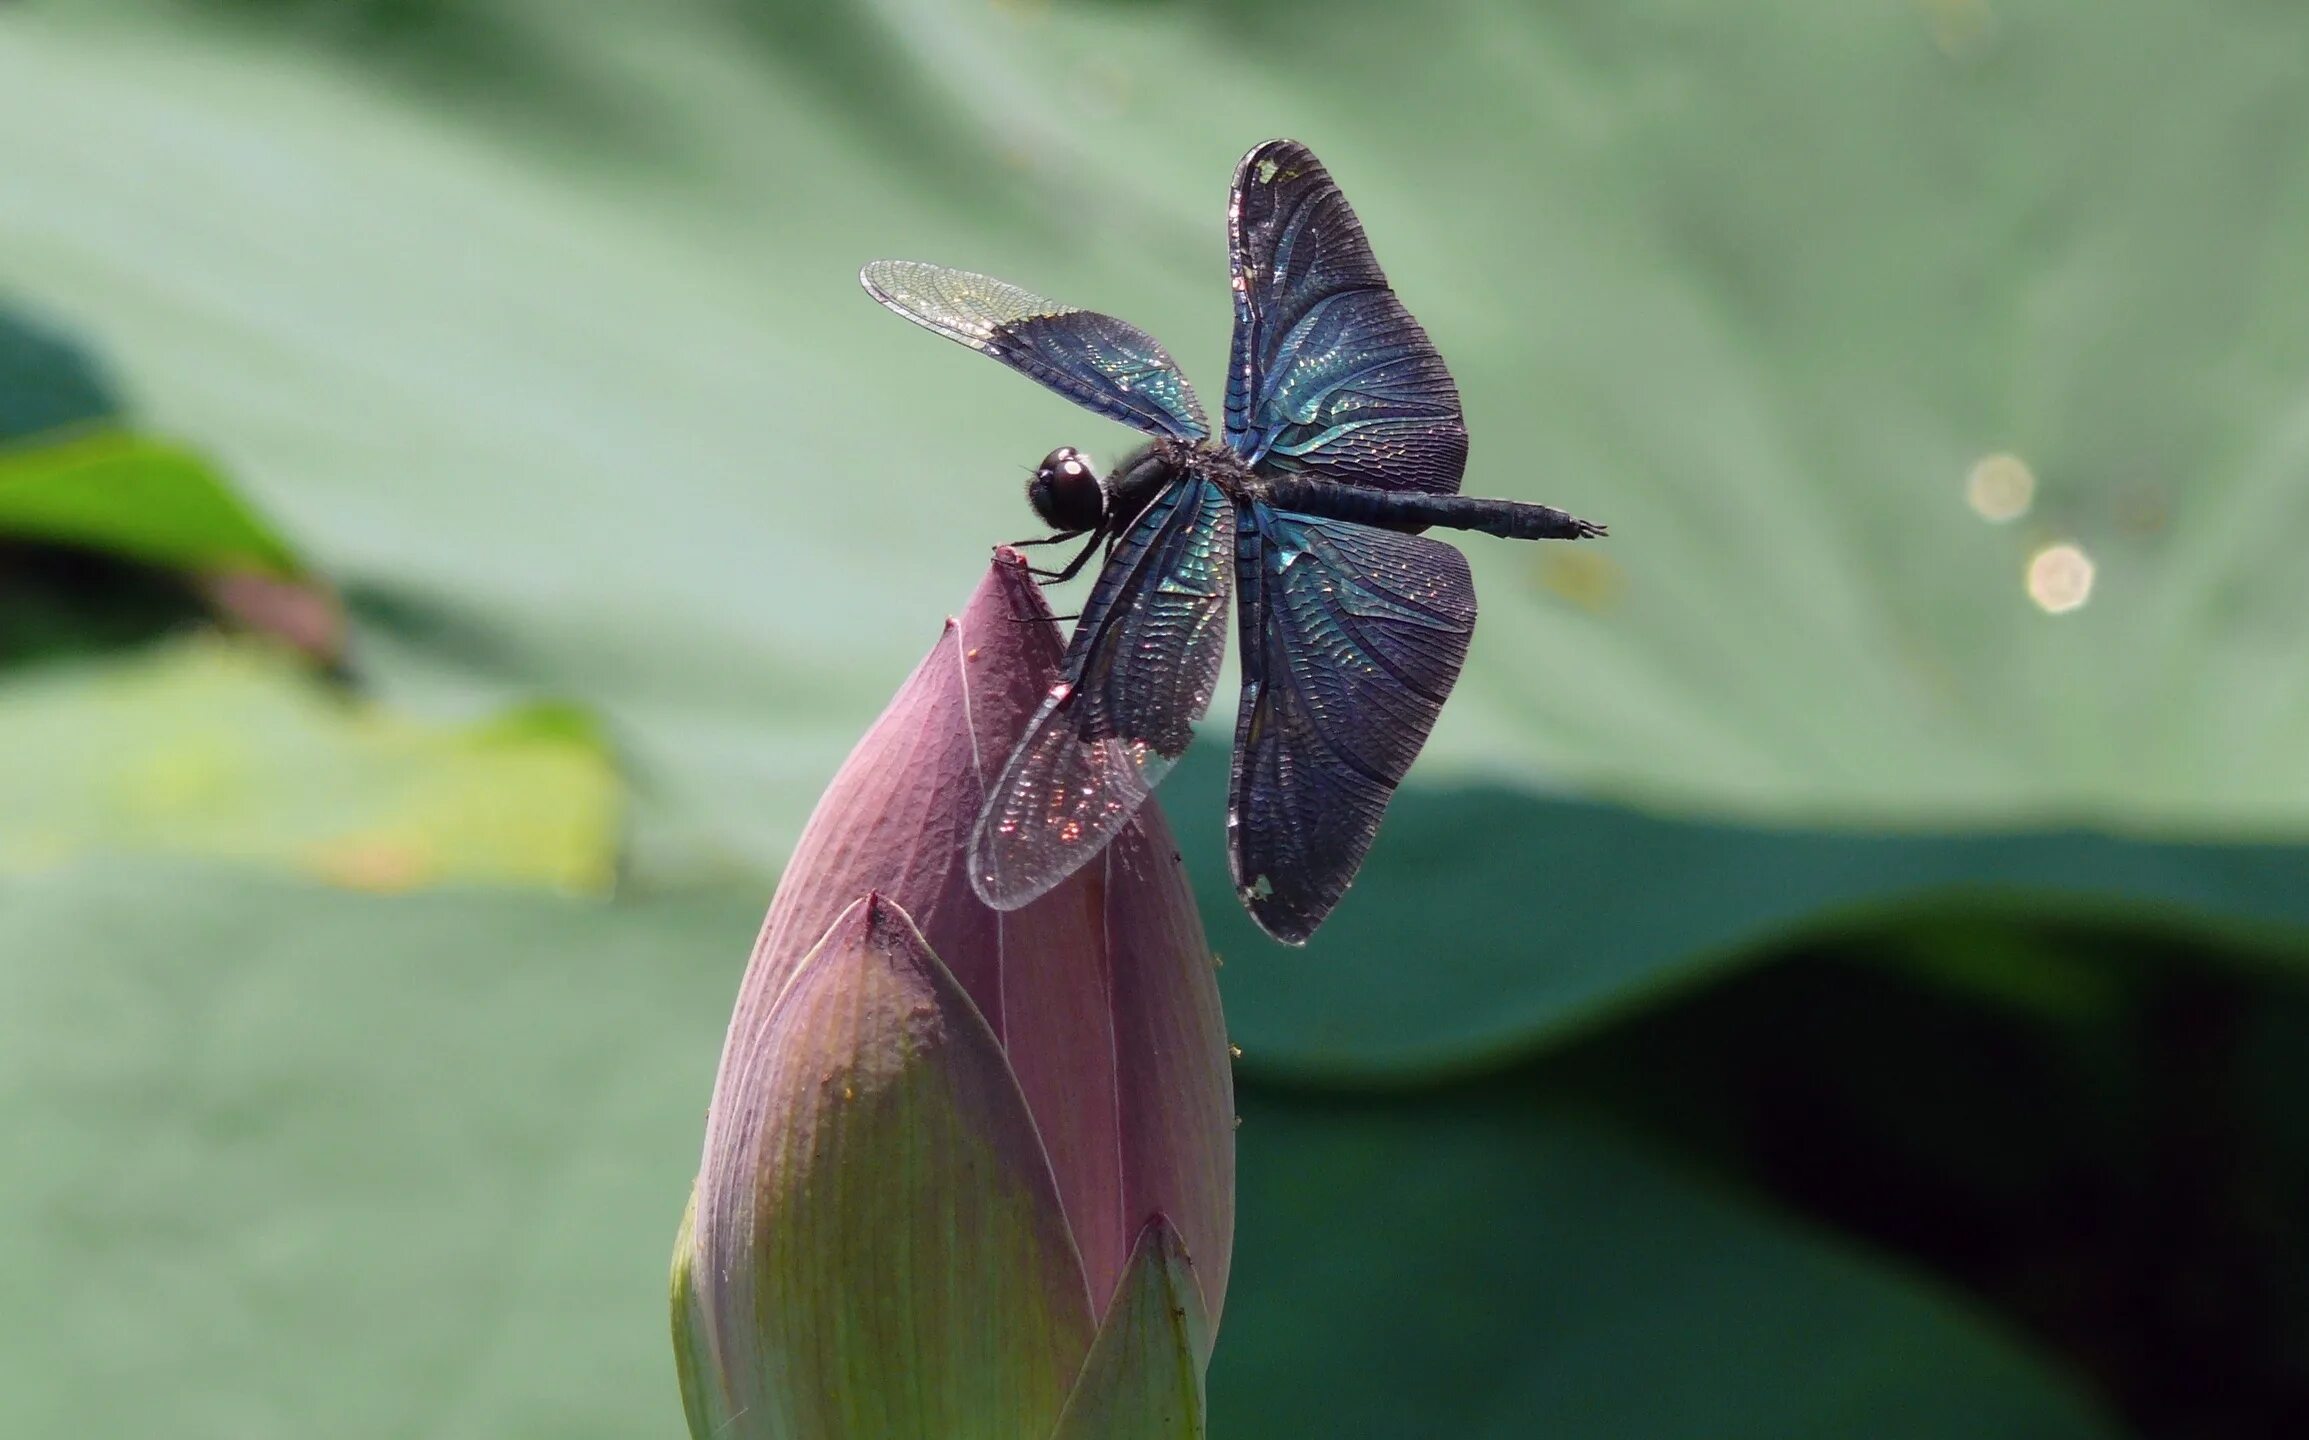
1352, 640
1059, 800
1095, 360
1139, 672
1330, 374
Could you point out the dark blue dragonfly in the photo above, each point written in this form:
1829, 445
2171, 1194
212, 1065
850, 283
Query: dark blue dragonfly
1343, 442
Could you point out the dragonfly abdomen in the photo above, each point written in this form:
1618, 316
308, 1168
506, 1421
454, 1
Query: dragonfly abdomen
1411, 511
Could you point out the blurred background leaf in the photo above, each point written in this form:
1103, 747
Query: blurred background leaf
71, 475
106, 536
233, 751
1617, 909
295, 1162
1833, 828
136, 497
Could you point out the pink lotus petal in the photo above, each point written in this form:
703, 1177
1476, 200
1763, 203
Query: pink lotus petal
1178, 1091
1126, 1013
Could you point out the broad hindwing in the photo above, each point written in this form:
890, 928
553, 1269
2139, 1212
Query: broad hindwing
1097, 361
1352, 640
1330, 373
1137, 675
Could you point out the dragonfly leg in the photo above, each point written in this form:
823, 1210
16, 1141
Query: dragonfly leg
1072, 569
1048, 576
1081, 558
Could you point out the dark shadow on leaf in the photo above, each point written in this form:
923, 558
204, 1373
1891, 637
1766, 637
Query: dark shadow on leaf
2095, 1130
58, 603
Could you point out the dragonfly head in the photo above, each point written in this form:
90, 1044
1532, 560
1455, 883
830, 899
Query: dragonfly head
1065, 491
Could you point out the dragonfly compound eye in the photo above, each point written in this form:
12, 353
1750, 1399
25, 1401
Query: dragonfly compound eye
1065, 491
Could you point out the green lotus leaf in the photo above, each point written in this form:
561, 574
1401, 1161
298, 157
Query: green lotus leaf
136, 497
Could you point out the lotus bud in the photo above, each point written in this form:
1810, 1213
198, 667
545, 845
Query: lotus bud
966, 1174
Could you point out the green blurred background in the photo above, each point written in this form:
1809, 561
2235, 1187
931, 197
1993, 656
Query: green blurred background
1838, 970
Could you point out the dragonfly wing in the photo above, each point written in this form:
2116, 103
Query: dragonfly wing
1139, 672
1146, 657
1057, 803
1097, 361
1330, 372
1352, 640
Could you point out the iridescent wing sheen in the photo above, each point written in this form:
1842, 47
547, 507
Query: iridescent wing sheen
1352, 639
1095, 360
1138, 673
1330, 373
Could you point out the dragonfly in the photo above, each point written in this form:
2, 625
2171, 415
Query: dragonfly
1343, 441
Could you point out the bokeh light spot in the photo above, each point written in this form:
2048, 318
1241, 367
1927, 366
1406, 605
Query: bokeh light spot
2060, 578
2000, 488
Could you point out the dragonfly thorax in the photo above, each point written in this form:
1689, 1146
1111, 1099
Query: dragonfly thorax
1159, 464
